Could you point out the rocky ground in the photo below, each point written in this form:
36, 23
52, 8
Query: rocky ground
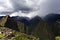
9, 34
6, 33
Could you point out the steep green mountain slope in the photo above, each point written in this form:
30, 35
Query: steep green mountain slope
42, 31
56, 28
22, 27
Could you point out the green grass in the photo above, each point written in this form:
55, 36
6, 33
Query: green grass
1, 35
57, 38
19, 36
22, 36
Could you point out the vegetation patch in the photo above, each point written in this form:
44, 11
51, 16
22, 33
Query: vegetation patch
57, 38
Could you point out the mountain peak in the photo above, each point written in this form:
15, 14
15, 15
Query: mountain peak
7, 16
7, 21
3, 20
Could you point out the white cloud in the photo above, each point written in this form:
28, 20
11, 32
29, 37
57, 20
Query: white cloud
5, 6
29, 8
11, 5
30, 15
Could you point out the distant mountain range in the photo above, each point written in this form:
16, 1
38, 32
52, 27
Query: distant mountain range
37, 26
51, 18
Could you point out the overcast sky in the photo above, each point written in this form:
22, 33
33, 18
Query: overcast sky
29, 8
